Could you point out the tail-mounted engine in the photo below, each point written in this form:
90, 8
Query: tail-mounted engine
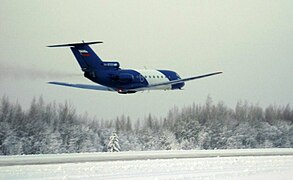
123, 77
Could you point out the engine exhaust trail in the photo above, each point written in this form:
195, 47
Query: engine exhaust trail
18, 72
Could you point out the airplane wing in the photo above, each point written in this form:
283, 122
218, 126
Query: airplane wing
83, 86
176, 81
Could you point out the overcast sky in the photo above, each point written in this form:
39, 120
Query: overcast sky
251, 41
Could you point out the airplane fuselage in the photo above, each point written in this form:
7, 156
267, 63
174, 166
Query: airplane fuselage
125, 79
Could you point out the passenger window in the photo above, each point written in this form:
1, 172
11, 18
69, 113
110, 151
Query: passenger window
154, 76
150, 76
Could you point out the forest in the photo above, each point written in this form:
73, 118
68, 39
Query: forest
49, 128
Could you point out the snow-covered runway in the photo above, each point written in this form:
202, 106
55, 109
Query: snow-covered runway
231, 167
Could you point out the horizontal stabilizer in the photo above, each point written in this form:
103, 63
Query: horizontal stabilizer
75, 44
83, 86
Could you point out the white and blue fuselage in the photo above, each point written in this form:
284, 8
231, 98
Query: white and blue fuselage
130, 81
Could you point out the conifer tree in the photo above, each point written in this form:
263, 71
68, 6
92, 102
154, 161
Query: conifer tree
113, 145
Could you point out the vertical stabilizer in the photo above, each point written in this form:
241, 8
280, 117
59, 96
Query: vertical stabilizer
85, 56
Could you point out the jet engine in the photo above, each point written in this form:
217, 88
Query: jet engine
125, 77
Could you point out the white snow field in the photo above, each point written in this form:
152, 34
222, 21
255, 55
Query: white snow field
258, 164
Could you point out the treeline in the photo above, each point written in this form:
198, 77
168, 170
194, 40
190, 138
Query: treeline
57, 128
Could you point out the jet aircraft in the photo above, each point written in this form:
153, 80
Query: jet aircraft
110, 77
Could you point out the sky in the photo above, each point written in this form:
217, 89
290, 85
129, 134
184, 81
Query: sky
251, 41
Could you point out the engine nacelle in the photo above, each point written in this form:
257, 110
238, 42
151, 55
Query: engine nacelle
125, 77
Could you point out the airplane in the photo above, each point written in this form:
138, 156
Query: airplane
111, 77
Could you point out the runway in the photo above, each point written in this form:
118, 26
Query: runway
199, 164
136, 155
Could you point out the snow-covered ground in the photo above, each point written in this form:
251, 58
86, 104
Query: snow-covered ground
235, 167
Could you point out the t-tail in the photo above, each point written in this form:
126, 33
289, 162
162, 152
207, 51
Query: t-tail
85, 56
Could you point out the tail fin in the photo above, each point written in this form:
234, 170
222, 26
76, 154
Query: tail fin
85, 56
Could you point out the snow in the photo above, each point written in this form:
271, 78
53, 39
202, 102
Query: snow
236, 167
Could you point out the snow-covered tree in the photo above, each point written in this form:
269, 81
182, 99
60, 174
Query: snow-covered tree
168, 141
113, 145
